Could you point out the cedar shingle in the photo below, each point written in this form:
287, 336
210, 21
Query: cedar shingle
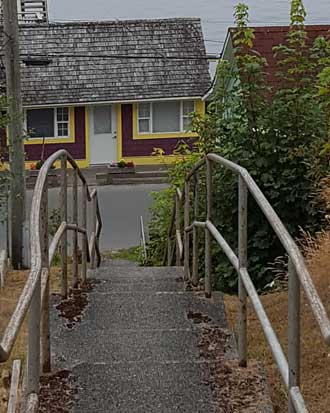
86, 79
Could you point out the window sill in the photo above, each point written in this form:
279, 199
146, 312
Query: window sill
172, 135
40, 141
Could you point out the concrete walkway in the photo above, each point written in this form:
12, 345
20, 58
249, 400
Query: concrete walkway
137, 349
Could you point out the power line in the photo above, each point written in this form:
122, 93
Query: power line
115, 56
286, 22
214, 41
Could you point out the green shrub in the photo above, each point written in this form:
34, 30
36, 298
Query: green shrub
280, 136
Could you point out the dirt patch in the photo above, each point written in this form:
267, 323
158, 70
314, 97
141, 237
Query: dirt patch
198, 318
234, 389
57, 392
72, 308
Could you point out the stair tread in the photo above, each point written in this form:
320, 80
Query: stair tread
143, 387
158, 345
126, 310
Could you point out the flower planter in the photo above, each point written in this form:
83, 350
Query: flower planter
116, 170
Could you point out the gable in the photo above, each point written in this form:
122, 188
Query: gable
266, 38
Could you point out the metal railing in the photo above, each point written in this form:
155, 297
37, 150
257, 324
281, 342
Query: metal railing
34, 299
143, 242
299, 275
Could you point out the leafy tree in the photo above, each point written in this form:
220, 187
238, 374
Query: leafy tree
278, 135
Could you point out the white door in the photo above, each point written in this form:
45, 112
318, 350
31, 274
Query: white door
103, 142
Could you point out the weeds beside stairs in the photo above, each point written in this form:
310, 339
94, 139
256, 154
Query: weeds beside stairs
145, 344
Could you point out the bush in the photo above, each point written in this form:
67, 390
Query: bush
280, 136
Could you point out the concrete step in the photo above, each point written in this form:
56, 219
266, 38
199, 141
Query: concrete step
108, 177
152, 174
123, 270
138, 180
146, 310
124, 285
115, 346
142, 388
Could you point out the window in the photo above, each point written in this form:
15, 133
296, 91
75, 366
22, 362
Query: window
165, 117
48, 123
187, 108
102, 120
144, 117
62, 122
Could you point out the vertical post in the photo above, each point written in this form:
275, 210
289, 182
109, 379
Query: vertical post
33, 357
15, 130
242, 256
84, 225
294, 332
169, 252
94, 224
34, 315
186, 234
195, 277
64, 218
177, 230
208, 259
45, 327
75, 233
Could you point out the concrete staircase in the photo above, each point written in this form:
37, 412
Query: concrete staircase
136, 350
146, 344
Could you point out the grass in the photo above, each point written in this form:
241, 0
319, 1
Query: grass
130, 254
315, 354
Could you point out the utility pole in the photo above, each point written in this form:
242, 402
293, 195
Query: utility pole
15, 130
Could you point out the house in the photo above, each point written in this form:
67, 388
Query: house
111, 90
266, 38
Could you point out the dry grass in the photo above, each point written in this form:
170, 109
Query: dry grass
315, 354
8, 299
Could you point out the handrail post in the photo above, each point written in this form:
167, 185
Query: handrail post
242, 257
75, 233
64, 218
94, 225
33, 357
186, 233
45, 323
195, 277
177, 228
293, 331
84, 225
208, 259
169, 252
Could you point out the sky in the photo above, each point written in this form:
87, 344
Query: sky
216, 15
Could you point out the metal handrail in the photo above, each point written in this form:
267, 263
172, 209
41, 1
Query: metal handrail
298, 272
35, 295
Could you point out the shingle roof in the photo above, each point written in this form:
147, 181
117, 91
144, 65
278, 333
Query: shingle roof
268, 37
144, 62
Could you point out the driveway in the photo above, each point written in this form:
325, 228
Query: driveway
121, 208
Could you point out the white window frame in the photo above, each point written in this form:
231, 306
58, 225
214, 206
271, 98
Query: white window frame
151, 132
182, 116
150, 118
55, 123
